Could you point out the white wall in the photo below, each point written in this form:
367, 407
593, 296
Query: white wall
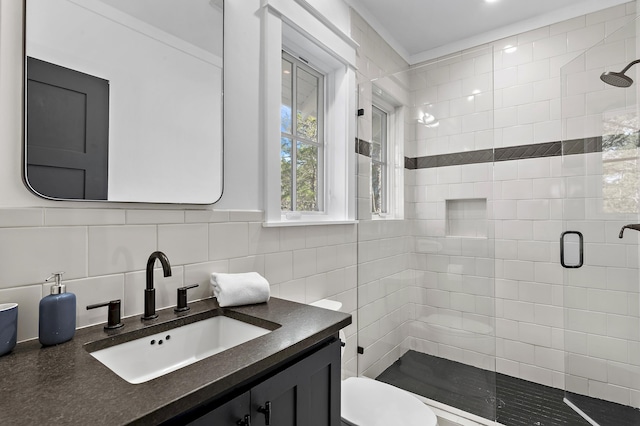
243, 138
336, 11
242, 142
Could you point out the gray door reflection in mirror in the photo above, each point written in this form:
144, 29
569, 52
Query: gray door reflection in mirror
68, 128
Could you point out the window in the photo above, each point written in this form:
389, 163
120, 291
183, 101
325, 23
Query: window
379, 162
302, 137
309, 167
387, 153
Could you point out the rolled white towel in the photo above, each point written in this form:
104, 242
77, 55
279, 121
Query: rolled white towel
240, 289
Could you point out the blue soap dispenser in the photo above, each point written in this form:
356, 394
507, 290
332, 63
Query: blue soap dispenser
57, 321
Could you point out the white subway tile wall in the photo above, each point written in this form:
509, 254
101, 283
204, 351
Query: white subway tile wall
104, 254
454, 313
383, 246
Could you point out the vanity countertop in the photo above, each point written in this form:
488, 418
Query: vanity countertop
64, 384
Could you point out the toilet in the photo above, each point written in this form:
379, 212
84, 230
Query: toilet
368, 402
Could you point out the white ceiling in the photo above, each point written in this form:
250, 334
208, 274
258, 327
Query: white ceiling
424, 29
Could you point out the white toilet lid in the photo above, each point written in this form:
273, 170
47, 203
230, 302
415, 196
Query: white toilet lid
367, 402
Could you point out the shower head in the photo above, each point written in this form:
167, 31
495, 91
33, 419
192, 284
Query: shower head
618, 79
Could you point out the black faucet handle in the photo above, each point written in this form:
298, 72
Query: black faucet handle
182, 298
113, 314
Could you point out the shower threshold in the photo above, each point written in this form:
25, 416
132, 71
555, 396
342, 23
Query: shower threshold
495, 396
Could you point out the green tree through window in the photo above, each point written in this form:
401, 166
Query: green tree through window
301, 140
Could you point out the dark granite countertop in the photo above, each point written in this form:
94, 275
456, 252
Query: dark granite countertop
64, 384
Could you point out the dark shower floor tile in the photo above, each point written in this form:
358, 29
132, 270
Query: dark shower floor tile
512, 401
452, 383
606, 413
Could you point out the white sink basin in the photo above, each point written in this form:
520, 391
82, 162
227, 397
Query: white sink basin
146, 358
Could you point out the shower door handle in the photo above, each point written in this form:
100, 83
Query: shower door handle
571, 249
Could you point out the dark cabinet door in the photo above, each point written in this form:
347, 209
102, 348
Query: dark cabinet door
232, 413
305, 394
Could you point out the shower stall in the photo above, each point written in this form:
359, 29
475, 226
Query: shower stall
466, 221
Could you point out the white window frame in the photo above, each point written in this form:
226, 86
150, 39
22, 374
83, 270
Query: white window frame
383, 163
298, 29
298, 62
394, 154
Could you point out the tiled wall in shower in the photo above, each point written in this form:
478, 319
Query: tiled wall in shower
531, 201
500, 302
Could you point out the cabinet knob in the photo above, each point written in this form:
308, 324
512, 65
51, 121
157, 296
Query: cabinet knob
266, 410
244, 422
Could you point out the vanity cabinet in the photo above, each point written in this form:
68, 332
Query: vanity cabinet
229, 413
305, 392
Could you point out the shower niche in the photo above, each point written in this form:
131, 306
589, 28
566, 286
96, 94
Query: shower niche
467, 218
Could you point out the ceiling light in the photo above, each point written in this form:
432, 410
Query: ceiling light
473, 95
490, 1
428, 120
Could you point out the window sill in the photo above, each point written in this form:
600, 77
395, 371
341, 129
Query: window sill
468, 237
385, 218
284, 223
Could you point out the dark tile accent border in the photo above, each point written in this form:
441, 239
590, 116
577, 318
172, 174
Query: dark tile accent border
521, 152
471, 157
582, 146
549, 149
426, 162
410, 163
363, 147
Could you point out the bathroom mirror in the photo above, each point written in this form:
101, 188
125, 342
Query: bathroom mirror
123, 100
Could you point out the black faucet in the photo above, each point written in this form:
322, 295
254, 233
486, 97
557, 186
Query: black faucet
150, 292
634, 226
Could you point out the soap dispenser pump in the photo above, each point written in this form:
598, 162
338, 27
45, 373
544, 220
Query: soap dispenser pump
57, 321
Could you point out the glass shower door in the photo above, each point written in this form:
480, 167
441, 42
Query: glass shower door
601, 183
426, 295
